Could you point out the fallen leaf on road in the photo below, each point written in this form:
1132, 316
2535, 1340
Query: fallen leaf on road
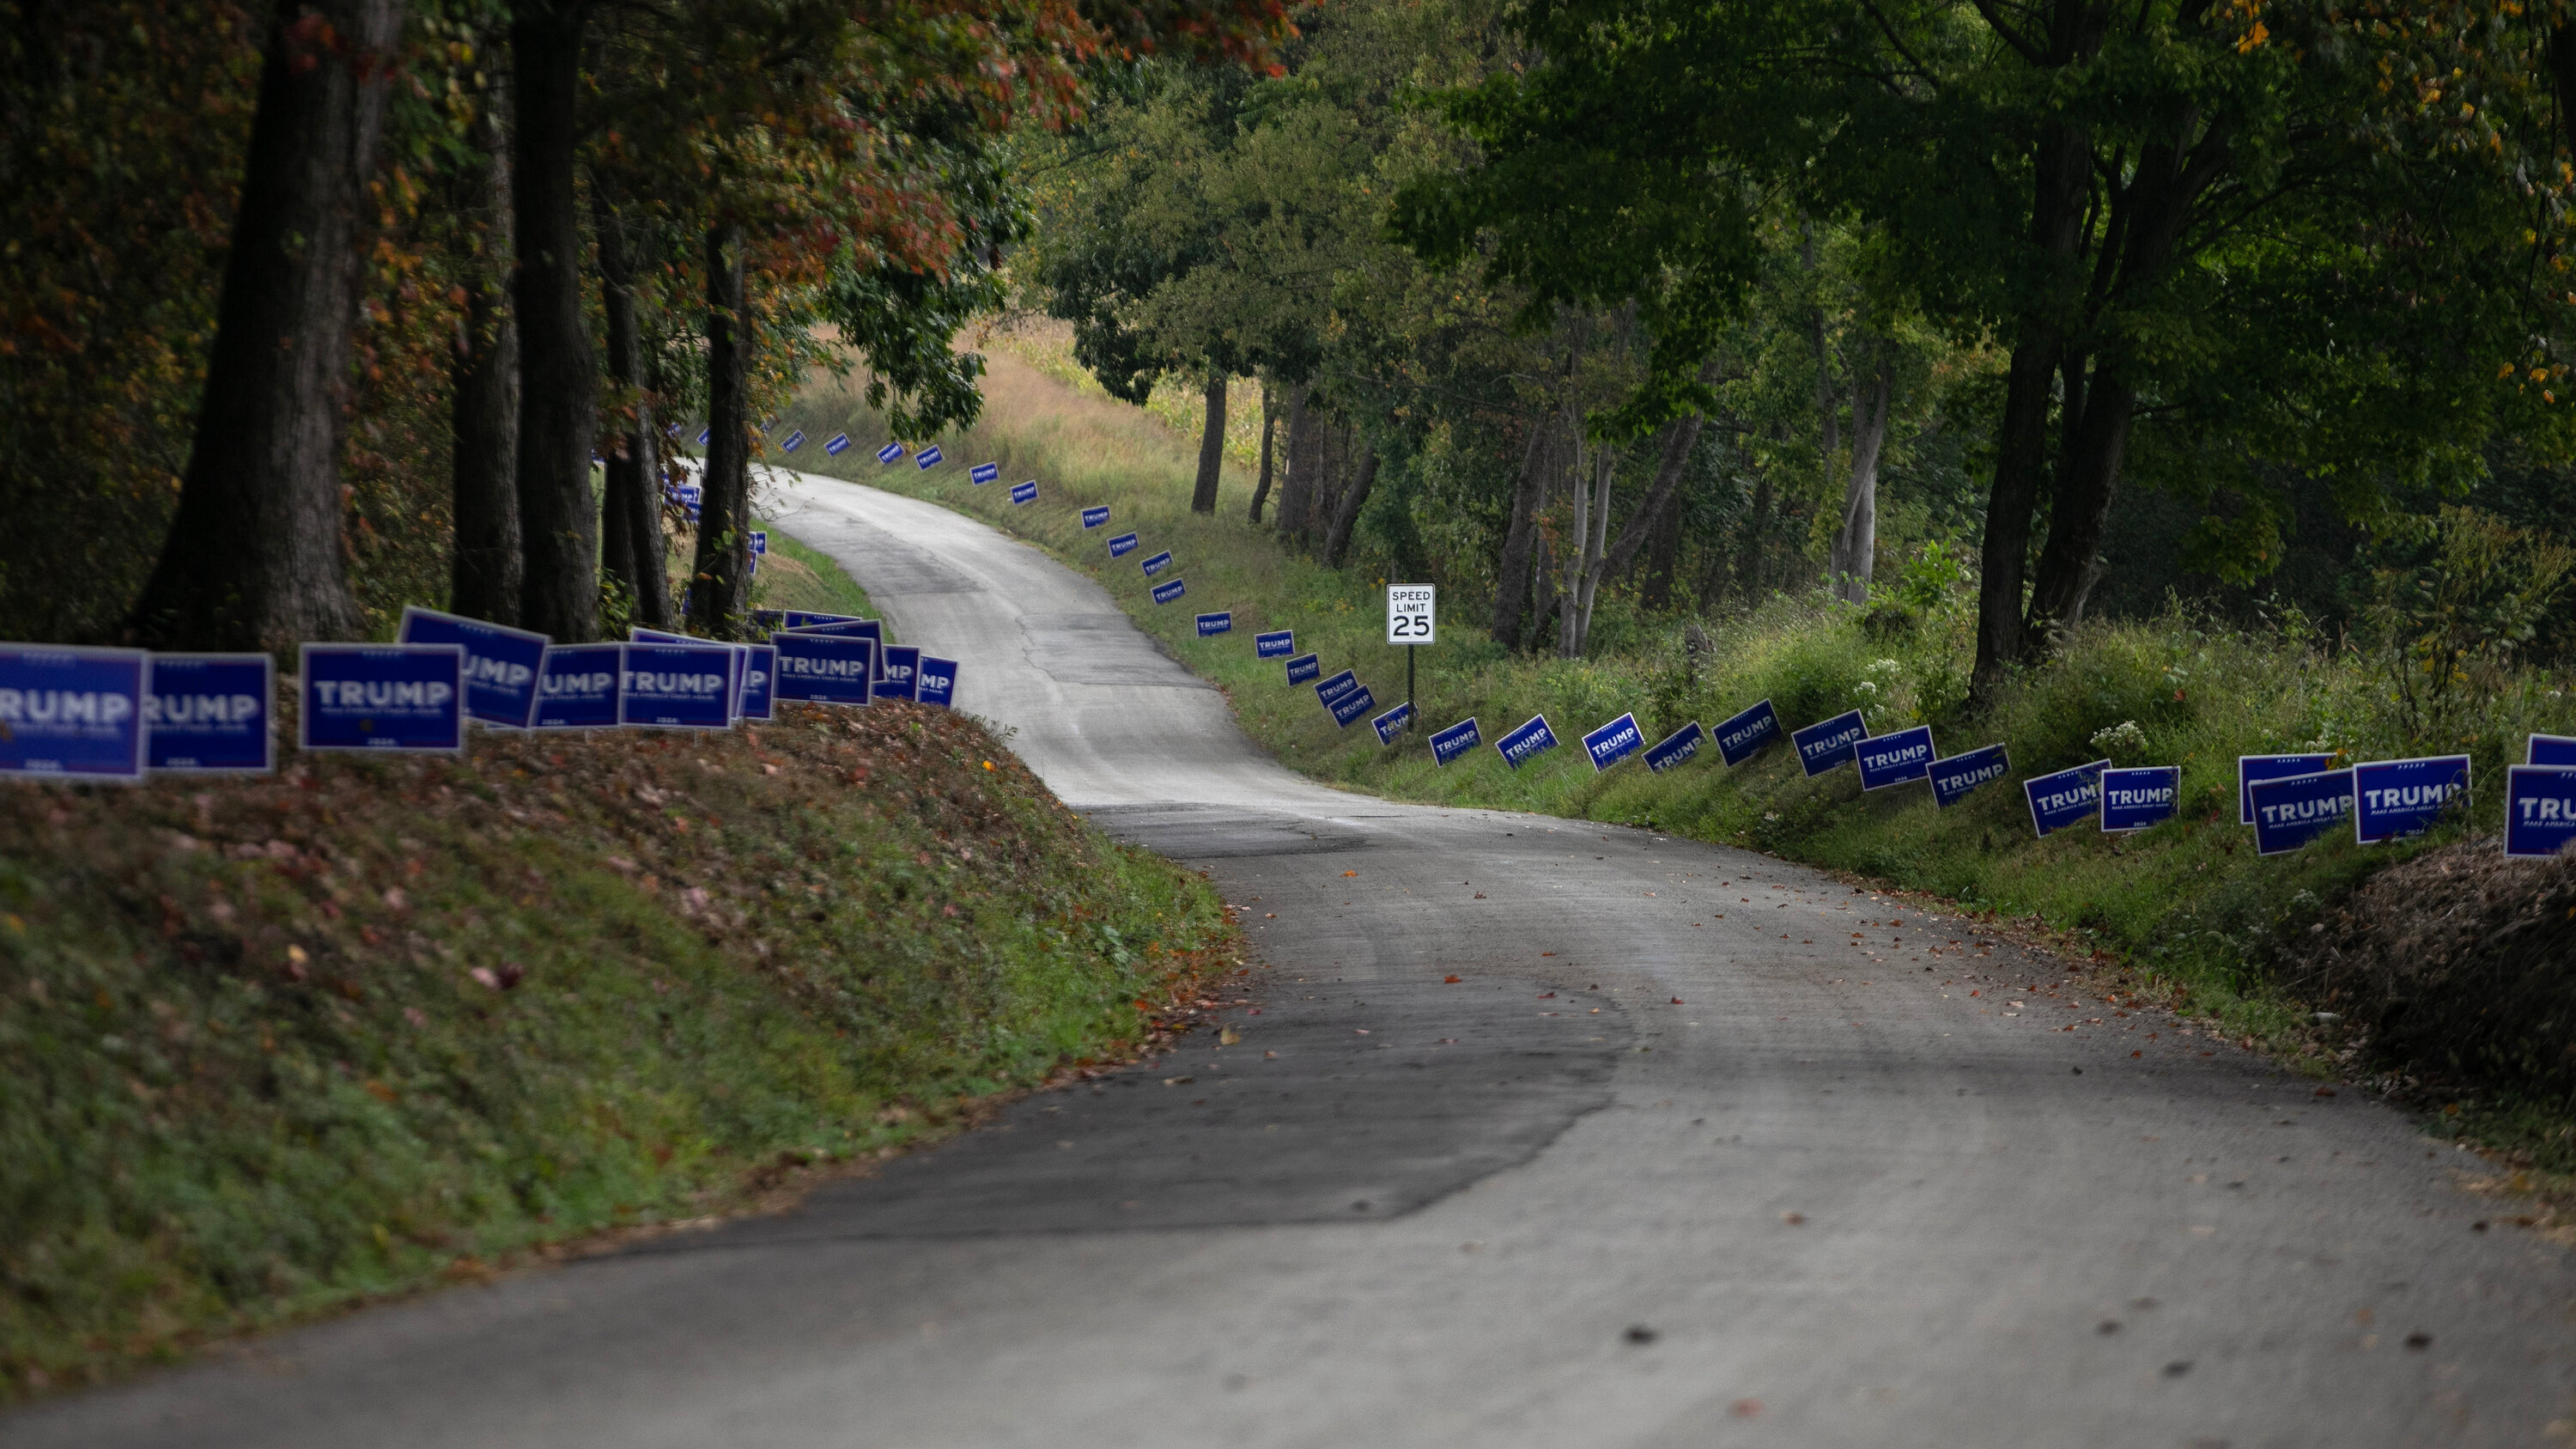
1178, 1081
1546, 995
1451, 980
1359, 1031
1349, 873
1746, 1408
1677, 1001
1793, 1219
1228, 1037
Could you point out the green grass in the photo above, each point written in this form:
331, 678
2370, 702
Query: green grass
2188, 902
268, 1047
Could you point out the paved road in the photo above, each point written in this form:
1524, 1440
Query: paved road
1698, 1152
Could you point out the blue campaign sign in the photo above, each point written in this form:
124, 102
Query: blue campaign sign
794, 440
837, 444
2065, 798
1526, 741
2291, 810
1276, 645
1122, 545
825, 668
704, 434
1739, 738
1389, 723
2397, 798
1828, 743
1166, 593
500, 664
677, 686
209, 712
1894, 759
1956, 776
938, 682
760, 541
1676, 747
928, 458
890, 453
2135, 799
2550, 750
71, 713
1614, 742
2539, 810
1218, 623
580, 687
1157, 563
382, 697
1096, 517
807, 619
1025, 492
759, 681
1454, 741
986, 472
1337, 686
899, 668
640, 635
1303, 668
872, 630
1348, 708
2252, 769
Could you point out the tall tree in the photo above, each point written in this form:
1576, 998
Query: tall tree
486, 573
632, 549
721, 576
559, 371
255, 556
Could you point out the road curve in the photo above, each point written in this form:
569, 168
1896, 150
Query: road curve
1698, 1152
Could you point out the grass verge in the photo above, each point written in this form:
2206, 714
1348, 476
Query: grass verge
270, 1047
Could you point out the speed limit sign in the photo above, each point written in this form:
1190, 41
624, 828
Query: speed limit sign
1409, 613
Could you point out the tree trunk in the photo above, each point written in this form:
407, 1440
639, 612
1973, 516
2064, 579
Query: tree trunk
1681, 436
1663, 555
255, 556
559, 376
1596, 553
1211, 446
1757, 528
1300, 482
1512, 572
483, 418
1855, 546
718, 583
1269, 420
1347, 514
630, 511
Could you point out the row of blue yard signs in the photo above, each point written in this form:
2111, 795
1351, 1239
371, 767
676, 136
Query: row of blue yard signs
84, 714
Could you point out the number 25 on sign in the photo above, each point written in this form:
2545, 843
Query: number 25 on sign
1409, 613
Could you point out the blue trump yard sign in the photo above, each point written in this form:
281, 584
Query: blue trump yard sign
2291, 810
899, 668
928, 457
1096, 516
759, 541
2068, 797
759, 681
890, 453
794, 440
2549, 750
1278, 644
1739, 738
677, 686
500, 663
2134, 799
984, 472
68, 713
1337, 686
1025, 492
872, 630
825, 668
1348, 708
1218, 623
382, 697
2397, 798
1676, 747
1303, 668
1454, 741
1528, 740
938, 682
806, 619
1166, 593
837, 444
208, 712
1959, 774
2539, 810
1828, 744
1122, 545
579, 687
2252, 769
1894, 759
1157, 563
1613, 742
703, 435
1388, 724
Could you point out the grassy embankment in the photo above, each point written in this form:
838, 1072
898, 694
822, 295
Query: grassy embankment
269, 1047
2188, 902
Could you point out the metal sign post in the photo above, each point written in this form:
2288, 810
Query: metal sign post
1411, 620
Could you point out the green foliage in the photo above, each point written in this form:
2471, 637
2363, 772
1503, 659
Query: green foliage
2456, 609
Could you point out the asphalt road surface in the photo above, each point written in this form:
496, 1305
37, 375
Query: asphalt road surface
1704, 1149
